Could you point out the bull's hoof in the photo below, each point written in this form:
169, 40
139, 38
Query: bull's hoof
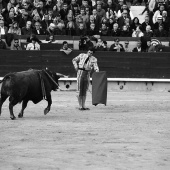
13, 118
46, 111
20, 116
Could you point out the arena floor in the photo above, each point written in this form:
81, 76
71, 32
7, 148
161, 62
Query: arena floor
131, 133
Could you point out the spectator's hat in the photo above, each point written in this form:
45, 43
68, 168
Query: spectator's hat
159, 17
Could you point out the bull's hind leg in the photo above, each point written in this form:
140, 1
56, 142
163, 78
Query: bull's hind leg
47, 109
2, 100
12, 103
24, 105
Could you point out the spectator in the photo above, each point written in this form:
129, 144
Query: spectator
92, 30
51, 30
138, 47
60, 29
14, 29
33, 45
23, 19
27, 7
2, 44
50, 14
96, 17
70, 15
104, 30
41, 9
58, 6
83, 16
147, 36
35, 19
150, 47
11, 4
137, 32
135, 23
158, 13
145, 23
45, 22
100, 46
76, 10
73, 4
10, 19
65, 48
126, 47
110, 13
16, 45
121, 20
116, 46
85, 43
165, 20
148, 32
37, 29
115, 31
79, 20
100, 12
121, 11
3, 29
64, 11
161, 32
27, 30
48, 4
125, 32
70, 28
57, 20
81, 31
51, 39
110, 23
112, 5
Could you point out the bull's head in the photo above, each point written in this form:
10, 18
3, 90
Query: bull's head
54, 78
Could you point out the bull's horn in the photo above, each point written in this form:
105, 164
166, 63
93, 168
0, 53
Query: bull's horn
61, 75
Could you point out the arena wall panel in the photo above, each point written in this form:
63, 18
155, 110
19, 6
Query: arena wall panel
117, 65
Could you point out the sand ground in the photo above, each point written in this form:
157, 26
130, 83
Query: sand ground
131, 133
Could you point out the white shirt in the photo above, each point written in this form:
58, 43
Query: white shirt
31, 46
2, 31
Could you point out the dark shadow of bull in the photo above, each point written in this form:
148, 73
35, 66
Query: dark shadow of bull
34, 85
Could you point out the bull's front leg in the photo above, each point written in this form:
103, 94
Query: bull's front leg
12, 103
47, 109
24, 105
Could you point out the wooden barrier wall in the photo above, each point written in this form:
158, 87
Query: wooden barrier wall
117, 65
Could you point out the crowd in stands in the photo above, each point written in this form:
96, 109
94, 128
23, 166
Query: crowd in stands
85, 18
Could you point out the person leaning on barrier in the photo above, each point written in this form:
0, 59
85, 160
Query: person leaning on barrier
116, 46
101, 45
83, 64
85, 43
126, 47
33, 45
65, 48
138, 47
16, 45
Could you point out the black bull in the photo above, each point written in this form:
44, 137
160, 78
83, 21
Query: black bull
33, 85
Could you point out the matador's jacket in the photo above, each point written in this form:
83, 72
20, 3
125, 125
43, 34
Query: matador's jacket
84, 64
